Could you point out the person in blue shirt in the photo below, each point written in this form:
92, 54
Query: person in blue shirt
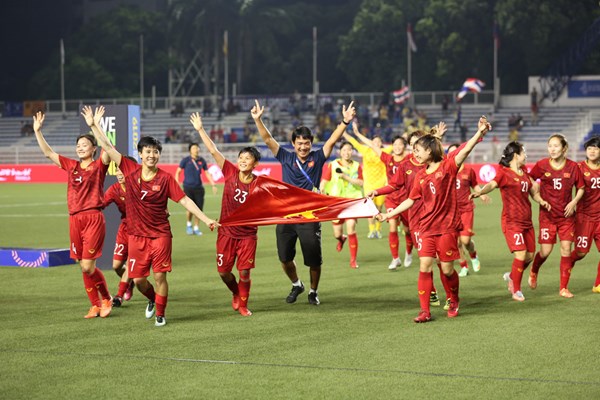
301, 168
192, 167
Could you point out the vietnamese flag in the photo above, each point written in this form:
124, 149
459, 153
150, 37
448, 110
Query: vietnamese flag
273, 202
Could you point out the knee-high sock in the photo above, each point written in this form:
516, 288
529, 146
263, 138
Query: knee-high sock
90, 289
393, 239
244, 292
566, 264
424, 285
537, 263
233, 286
123, 286
161, 305
516, 274
409, 243
433, 289
353, 244
575, 256
100, 282
453, 285
445, 281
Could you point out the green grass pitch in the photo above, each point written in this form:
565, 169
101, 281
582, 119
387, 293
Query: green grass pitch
360, 343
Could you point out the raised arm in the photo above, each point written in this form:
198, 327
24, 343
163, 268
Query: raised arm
347, 116
482, 128
99, 133
89, 120
257, 112
196, 121
38, 121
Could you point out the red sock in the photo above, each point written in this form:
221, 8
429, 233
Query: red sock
424, 286
598, 276
244, 292
100, 282
409, 243
353, 240
433, 289
516, 274
444, 280
393, 239
122, 288
161, 304
463, 264
91, 290
150, 294
453, 285
575, 256
565, 271
537, 263
473, 255
233, 286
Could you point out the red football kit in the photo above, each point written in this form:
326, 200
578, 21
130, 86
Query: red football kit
516, 209
116, 194
85, 196
588, 211
556, 187
391, 168
465, 180
150, 233
235, 241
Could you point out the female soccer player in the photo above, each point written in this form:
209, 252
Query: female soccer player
343, 178
147, 192
234, 242
587, 228
85, 192
515, 188
116, 194
558, 176
465, 180
439, 220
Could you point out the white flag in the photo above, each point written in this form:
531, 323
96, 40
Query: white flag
62, 52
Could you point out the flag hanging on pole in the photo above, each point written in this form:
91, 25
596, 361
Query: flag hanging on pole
225, 42
401, 95
470, 85
274, 202
496, 34
411, 41
62, 52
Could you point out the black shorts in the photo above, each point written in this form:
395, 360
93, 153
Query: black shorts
310, 243
196, 194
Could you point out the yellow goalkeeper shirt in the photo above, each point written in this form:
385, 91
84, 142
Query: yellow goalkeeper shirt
374, 175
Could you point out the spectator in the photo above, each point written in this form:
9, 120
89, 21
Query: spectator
534, 107
445, 102
457, 117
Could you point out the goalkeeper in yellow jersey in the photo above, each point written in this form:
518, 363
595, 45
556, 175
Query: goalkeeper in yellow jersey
374, 174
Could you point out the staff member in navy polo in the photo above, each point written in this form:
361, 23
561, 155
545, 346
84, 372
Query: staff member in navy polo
192, 167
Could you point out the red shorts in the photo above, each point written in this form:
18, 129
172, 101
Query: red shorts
444, 246
585, 232
341, 221
121, 244
548, 230
519, 239
466, 217
86, 231
145, 252
228, 249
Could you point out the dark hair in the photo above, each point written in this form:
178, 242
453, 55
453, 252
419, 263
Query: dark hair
430, 142
594, 141
302, 132
89, 137
509, 153
252, 151
192, 145
149, 141
417, 133
562, 138
344, 143
457, 145
399, 137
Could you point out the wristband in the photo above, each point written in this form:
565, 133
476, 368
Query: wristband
345, 123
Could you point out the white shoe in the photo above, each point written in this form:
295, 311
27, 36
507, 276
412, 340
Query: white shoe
518, 296
150, 309
475, 264
463, 272
408, 260
394, 264
160, 321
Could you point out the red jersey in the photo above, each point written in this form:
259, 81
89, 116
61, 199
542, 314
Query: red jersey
85, 187
437, 190
235, 193
556, 186
147, 201
465, 180
409, 168
116, 194
589, 206
391, 168
516, 207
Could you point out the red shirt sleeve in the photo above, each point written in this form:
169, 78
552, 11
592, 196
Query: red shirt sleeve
360, 174
536, 171
175, 191
579, 181
127, 166
415, 192
473, 178
326, 176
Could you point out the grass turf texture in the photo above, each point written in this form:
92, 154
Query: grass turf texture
359, 343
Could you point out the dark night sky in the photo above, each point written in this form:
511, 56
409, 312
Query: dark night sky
30, 31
